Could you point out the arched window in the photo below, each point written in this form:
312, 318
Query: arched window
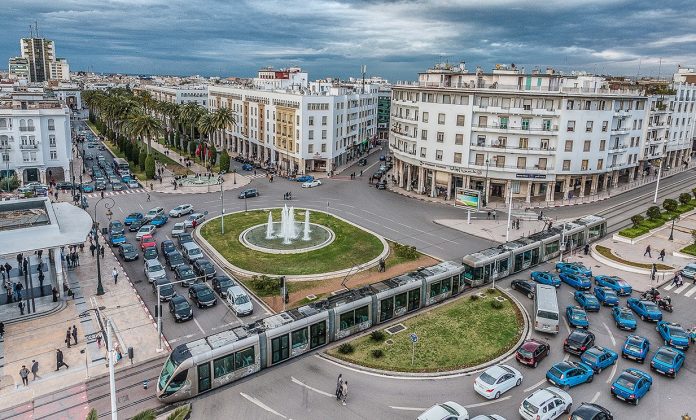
22, 124
30, 124
3, 141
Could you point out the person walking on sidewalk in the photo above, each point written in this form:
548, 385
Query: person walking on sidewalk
101, 251
19, 263
114, 274
67, 337
2, 329
21, 306
35, 369
59, 360
344, 392
92, 248
74, 334
647, 252
662, 255
339, 384
24, 374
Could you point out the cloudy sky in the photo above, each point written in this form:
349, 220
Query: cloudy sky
394, 38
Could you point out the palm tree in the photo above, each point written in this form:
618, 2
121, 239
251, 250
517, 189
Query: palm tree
145, 415
92, 415
223, 117
206, 125
144, 126
180, 413
190, 113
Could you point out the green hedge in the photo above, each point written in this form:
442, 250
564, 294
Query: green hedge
633, 232
648, 224
691, 250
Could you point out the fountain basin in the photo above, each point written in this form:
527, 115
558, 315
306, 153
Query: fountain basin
255, 238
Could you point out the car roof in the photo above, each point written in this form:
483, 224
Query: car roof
179, 298
438, 411
496, 371
531, 344
236, 290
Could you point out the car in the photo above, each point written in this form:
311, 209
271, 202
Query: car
194, 220
87, 188
183, 238
636, 348
304, 178
449, 410
204, 268
181, 210
247, 167
546, 277
135, 226
64, 185
576, 281
166, 247
578, 341
532, 351
248, 193
126, 178
166, 289
586, 300
221, 284
631, 385
147, 241
546, 404
617, 284
100, 185
150, 253
362, 162
159, 220
174, 259
606, 296
133, 217
128, 252
496, 380
154, 270
144, 230
591, 411
599, 358
645, 309
178, 229
180, 307
577, 317
152, 213
667, 361
116, 239
239, 301
116, 227
623, 318
567, 374
673, 334
311, 184
202, 295
573, 268
381, 185
488, 417
526, 287
689, 271
117, 186
113, 179
185, 274
132, 183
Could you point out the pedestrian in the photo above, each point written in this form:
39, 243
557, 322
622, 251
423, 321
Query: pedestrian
653, 271
339, 383
19, 263
2, 271
59, 360
587, 249
92, 248
24, 374
8, 267
21, 307
148, 197
54, 293
344, 392
101, 251
2, 329
495, 214
35, 369
675, 280
662, 255
114, 274
488, 217
55, 195
74, 334
99, 339
67, 337
647, 252
102, 193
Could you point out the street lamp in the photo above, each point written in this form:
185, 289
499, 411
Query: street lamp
485, 184
234, 175
222, 208
657, 185
671, 233
95, 227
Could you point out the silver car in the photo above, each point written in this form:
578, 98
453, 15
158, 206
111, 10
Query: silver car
181, 210
154, 270
197, 217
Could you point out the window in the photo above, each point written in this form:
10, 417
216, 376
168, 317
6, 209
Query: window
586, 146
440, 137
605, 126
600, 164
244, 358
317, 334
440, 118
51, 124
503, 122
523, 143
502, 142
544, 144
400, 302
280, 348
571, 125
422, 152
54, 155
479, 159
602, 145
425, 117
483, 121
438, 154
460, 120
300, 338
459, 139
223, 365
311, 134
481, 141
521, 162
424, 134
569, 145
542, 164
457, 157
413, 299
311, 120
525, 123
566, 165
323, 134
323, 120
570, 104
323, 147
3, 123
546, 125
52, 140
500, 161
310, 148
588, 127
204, 377
583, 165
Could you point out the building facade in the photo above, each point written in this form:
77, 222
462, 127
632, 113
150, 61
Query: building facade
539, 136
18, 68
178, 94
35, 140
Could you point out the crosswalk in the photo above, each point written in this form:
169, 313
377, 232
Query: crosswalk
112, 193
689, 289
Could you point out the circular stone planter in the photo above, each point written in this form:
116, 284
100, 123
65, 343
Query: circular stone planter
255, 238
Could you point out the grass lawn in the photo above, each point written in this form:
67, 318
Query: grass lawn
649, 224
457, 335
691, 250
607, 253
351, 247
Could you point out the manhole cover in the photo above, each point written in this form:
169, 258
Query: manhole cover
500, 299
311, 297
389, 342
395, 329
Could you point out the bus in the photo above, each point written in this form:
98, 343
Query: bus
121, 167
546, 313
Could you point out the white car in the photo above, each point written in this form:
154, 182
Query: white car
311, 184
178, 229
198, 217
496, 380
145, 230
152, 213
488, 417
181, 210
154, 270
546, 404
449, 410
239, 301
133, 184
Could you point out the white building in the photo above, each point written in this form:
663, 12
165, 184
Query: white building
315, 127
541, 136
60, 69
35, 140
178, 94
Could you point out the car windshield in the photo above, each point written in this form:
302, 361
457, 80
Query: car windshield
530, 407
153, 268
677, 332
226, 284
577, 337
556, 372
150, 251
649, 306
449, 409
524, 353
548, 315
626, 381
180, 306
204, 293
610, 293
485, 377
187, 272
128, 248
206, 266
580, 316
590, 354
242, 299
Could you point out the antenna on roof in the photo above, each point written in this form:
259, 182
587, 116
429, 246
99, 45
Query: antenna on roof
36, 26
363, 70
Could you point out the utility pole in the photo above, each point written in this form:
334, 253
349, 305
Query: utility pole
222, 210
507, 235
657, 185
112, 380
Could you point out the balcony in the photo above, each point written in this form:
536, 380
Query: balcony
538, 112
28, 146
622, 112
404, 118
403, 134
512, 168
619, 130
514, 128
512, 149
618, 148
26, 128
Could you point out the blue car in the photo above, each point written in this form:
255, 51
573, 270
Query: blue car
117, 239
576, 280
304, 178
645, 309
599, 358
577, 317
88, 188
606, 296
673, 334
587, 300
159, 220
667, 361
631, 385
247, 167
546, 277
568, 374
617, 284
132, 218
624, 319
573, 268
635, 347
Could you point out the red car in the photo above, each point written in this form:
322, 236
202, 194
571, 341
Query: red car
532, 351
146, 241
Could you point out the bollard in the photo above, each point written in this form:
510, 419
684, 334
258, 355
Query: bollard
145, 382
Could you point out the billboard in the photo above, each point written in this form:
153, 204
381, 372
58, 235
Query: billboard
467, 198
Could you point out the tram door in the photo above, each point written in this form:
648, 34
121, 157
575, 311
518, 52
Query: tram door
204, 377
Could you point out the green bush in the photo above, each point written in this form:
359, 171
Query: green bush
8, 184
377, 353
406, 252
474, 298
693, 191
496, 304
693, 235
684, 198
670, 205
653, 212
265, 286
633, 232
377, 335
346, 348
150, 167
142, 158
637, 219
490, 291
224, 161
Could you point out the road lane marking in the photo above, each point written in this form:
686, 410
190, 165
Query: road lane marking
596, 397
487, 402
690, 292
262, 405
318, 391
566, 357
613, 372
141, 206
407, 408
536, 385
682, 288
669, 287
199, 326
611, 335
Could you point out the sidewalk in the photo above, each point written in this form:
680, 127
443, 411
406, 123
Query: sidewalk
494, 230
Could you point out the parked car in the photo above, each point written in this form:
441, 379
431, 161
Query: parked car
194, 219
117, 186
636, 348
673, 334
181, 210
150, 253
178, 229
546, 404
577, 317
116, 239
159, 220
239, 301
526, 287
567, 374
532, 351
546, 277
304, 178
689, 271
311, 184
449, 410
578, 341
191, 252
180, 307
201, 294
185, 274
116, 227
631, 385
132, 183
623, 318
154, 270
248, 193
599, 358
145, 230
64, 185
576, 281
203, 267
99, 185
496, 380
174, 259
586, 300
381, 185
617, 284
183, 238
166, 289
127, 252
667, 361
606, 296
147, 241
590, 411
152, 213
221, 284
87, 188
573, 268
645, 309
135, 226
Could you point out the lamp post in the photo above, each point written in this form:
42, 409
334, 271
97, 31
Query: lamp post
485, 184
222, 208
657, 185
671, 233
234, 175
95, 227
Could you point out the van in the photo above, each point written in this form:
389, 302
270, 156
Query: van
239, 301
546, 315
191, 251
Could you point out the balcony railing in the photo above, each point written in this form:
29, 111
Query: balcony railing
509, 127
28, 146
403, 133
26, 128
504, 147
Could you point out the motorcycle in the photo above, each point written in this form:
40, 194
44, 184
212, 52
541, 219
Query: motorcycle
665, 304
652, 295
691, 332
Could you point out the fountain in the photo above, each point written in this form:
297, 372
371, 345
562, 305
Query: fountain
287, 225
306, 237
269, 226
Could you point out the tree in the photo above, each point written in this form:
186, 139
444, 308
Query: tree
693, 191
654, 212
637, 219
224, 161
685, 198
206, 125
145, 415
144, 126
212, 154
180, 413
92, 415
222, 118
11, 183
670, 205
142, 158
150, 167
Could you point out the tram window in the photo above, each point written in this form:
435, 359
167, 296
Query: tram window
362, 315
527, 256
413, 299
503, 265
400, 301
386, 309
551, 248
167, 372
203, 377
518, 262
223, 366
486, 272
317, 334
435, 288
176, 383
446, 285
347, 320
299, 338
280, 348
244, 358
535, 256
470, 272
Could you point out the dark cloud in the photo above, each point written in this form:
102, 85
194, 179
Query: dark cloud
396, 39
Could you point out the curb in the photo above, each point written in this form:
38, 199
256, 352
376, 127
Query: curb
179, 192
63, 304
526, 333
614, 264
